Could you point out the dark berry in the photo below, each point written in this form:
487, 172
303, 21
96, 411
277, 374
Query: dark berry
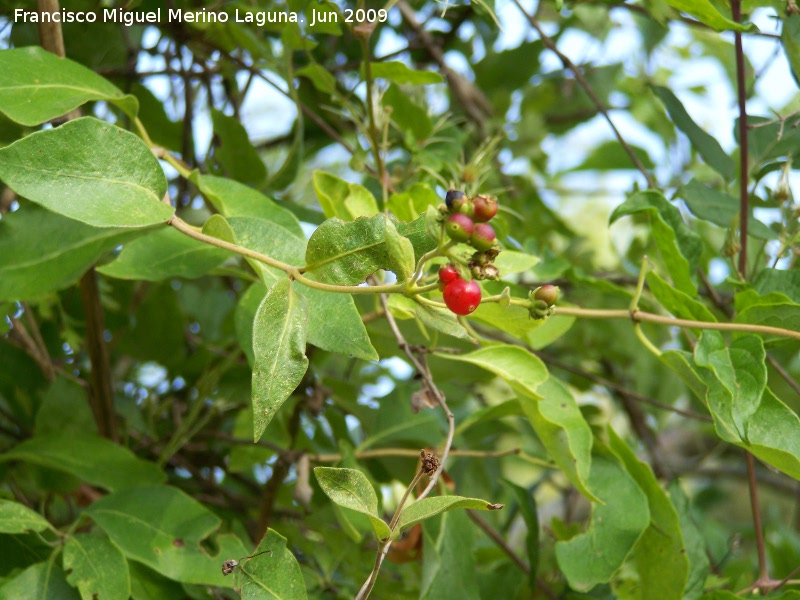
447, 274
485, 208
483, 237
459, 227
453, 199
462, 297
547, 293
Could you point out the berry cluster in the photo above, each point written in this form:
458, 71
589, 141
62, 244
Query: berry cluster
469, 217
460, 296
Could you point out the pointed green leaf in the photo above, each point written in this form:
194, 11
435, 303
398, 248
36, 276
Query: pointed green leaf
400, 73
790, 40
694, 542
434, 505
319, 76
412, 203
659, 554
593, 557
90, 458
279, 348
234, 199
549, 406
776, 280
707, 12
450, 565
163, 528
511, 261
271, 239
774, 309
680, 247
42, 581
36, 86
346, 252
234, 151
96, 567
18, 518
400, 251
705, 144
42, 251
275, 574
347, 201
412, 119
351, 489
89, 171
527, 508
610, 155
431, 317
164, 254
677, 302
719, 208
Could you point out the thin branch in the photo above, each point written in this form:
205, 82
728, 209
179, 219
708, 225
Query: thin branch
741, 93
587, 87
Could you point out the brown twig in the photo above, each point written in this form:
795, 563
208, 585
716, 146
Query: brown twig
587, 87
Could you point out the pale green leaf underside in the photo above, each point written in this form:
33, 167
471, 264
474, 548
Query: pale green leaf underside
350, 488
273, 575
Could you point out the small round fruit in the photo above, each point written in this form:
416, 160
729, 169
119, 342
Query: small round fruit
462, 297
547, 293
459, 227
454, 199
447, 274
483, 237
485, 208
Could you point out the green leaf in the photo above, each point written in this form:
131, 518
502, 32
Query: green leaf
593, 557
449, 568
736, 377
408, 116
233, 150
776, 280
549, 406
271, 239
65, 409
527, 508
42, 581
439, 319
36, 86
511, 261
163, 528
338, 198
321, 78
346, 252
18, 518
398, 72
42, 252
705, 144
351, 489
234, 199
279, 348
694, 542
90, 458
610, 156
659, 554
675, 301
412, 203
272, 575
790, 39
165, 254
719, 208
97, 568
513, 319
774, 309
89, 171
706, 12
680, 246
430, 507
400, 251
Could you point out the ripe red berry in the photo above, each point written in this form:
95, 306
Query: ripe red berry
459, 227
483, 237
485, 208
447, 274
462, 297
547, 293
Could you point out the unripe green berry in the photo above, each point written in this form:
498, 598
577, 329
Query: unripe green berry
547, 293
459, 227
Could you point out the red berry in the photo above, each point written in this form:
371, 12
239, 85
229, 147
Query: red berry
485, 208
547, 293
462, 297
447, 274
459, 227
483, 237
